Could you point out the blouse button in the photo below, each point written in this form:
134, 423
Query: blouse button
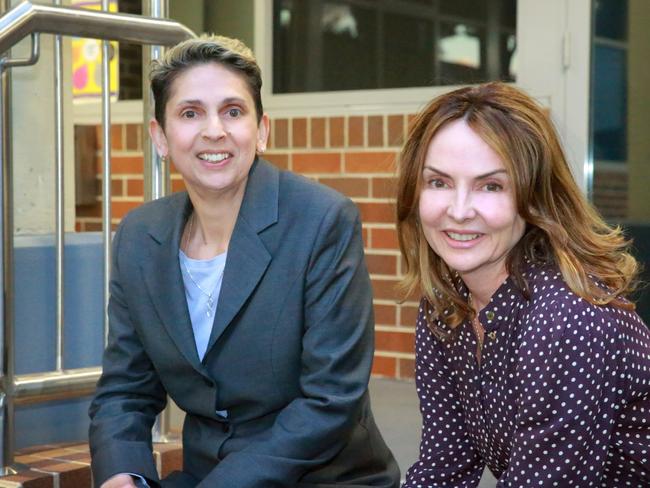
490, 315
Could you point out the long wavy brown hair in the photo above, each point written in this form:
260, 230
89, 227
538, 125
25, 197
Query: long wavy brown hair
561, 226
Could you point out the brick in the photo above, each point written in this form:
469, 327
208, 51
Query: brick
299, 132
169, 457
385, 289
279, 160
381, 264
125, 165
364, 235
408, 315
355, 131
116, 137
394, 341
117, 187
93, 226
383, 366
281, 129
70, 474
135, 187
395, 130
120, 209
375, 131
384, 187
337, 135
78, 457
377, 212
28, 479
178, 185
89, 210
318, 132
384, 239
132, 143
385, 314
370, 162
406, 368
352, 187
410, 119
317, 162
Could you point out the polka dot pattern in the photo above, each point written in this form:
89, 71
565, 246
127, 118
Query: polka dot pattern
561, 396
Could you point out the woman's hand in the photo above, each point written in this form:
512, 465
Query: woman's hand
119, 481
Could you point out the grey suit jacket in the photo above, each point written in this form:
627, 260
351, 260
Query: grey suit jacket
288, 359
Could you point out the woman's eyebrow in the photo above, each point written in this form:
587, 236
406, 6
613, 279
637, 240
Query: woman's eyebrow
479, 177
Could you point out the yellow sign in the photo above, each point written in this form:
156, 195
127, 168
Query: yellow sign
87, 60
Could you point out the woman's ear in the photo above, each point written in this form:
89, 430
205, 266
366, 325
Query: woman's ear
262, 133
158, 137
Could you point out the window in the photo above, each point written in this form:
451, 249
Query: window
332, 45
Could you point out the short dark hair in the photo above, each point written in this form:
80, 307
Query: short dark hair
231, 53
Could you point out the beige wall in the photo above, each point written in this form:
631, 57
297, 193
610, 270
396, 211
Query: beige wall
32, 118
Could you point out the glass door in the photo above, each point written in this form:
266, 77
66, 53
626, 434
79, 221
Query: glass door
620, 117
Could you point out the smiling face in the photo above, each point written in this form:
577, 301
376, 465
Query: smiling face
211, 131
467, 206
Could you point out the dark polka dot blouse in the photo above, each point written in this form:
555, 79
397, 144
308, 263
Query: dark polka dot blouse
561, 396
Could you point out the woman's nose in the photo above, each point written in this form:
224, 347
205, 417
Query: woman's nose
461, 207
213, 128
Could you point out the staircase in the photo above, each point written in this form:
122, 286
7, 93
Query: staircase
68, 465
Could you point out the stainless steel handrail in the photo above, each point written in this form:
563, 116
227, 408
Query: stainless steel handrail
29, 19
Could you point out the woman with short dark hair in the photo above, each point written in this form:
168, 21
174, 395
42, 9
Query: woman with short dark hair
246, 299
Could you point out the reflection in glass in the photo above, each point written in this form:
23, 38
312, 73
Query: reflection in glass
468, 9
461, 48
611, 19
461, 51
407, 48
620, 103
352, 44
610, 96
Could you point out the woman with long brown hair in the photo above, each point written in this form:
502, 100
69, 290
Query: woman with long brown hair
530, 359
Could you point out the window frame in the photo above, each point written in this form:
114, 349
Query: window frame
366, 102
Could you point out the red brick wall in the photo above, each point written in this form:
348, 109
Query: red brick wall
356, 156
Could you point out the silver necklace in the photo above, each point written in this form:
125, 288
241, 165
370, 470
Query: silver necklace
211, 305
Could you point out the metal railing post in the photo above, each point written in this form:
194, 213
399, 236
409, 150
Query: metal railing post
106, 171
59, 195
7, 401
15, 24
157, 181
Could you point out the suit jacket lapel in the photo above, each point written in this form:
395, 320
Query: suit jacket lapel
248, 257
163, 278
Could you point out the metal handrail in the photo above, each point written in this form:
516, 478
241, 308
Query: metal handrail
26, 18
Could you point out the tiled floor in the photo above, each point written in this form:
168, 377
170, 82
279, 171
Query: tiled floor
395, 405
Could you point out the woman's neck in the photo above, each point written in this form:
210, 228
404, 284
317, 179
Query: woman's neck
210, 226
481, 289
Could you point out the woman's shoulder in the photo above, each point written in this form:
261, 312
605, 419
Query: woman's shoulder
305, 196
554, 306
